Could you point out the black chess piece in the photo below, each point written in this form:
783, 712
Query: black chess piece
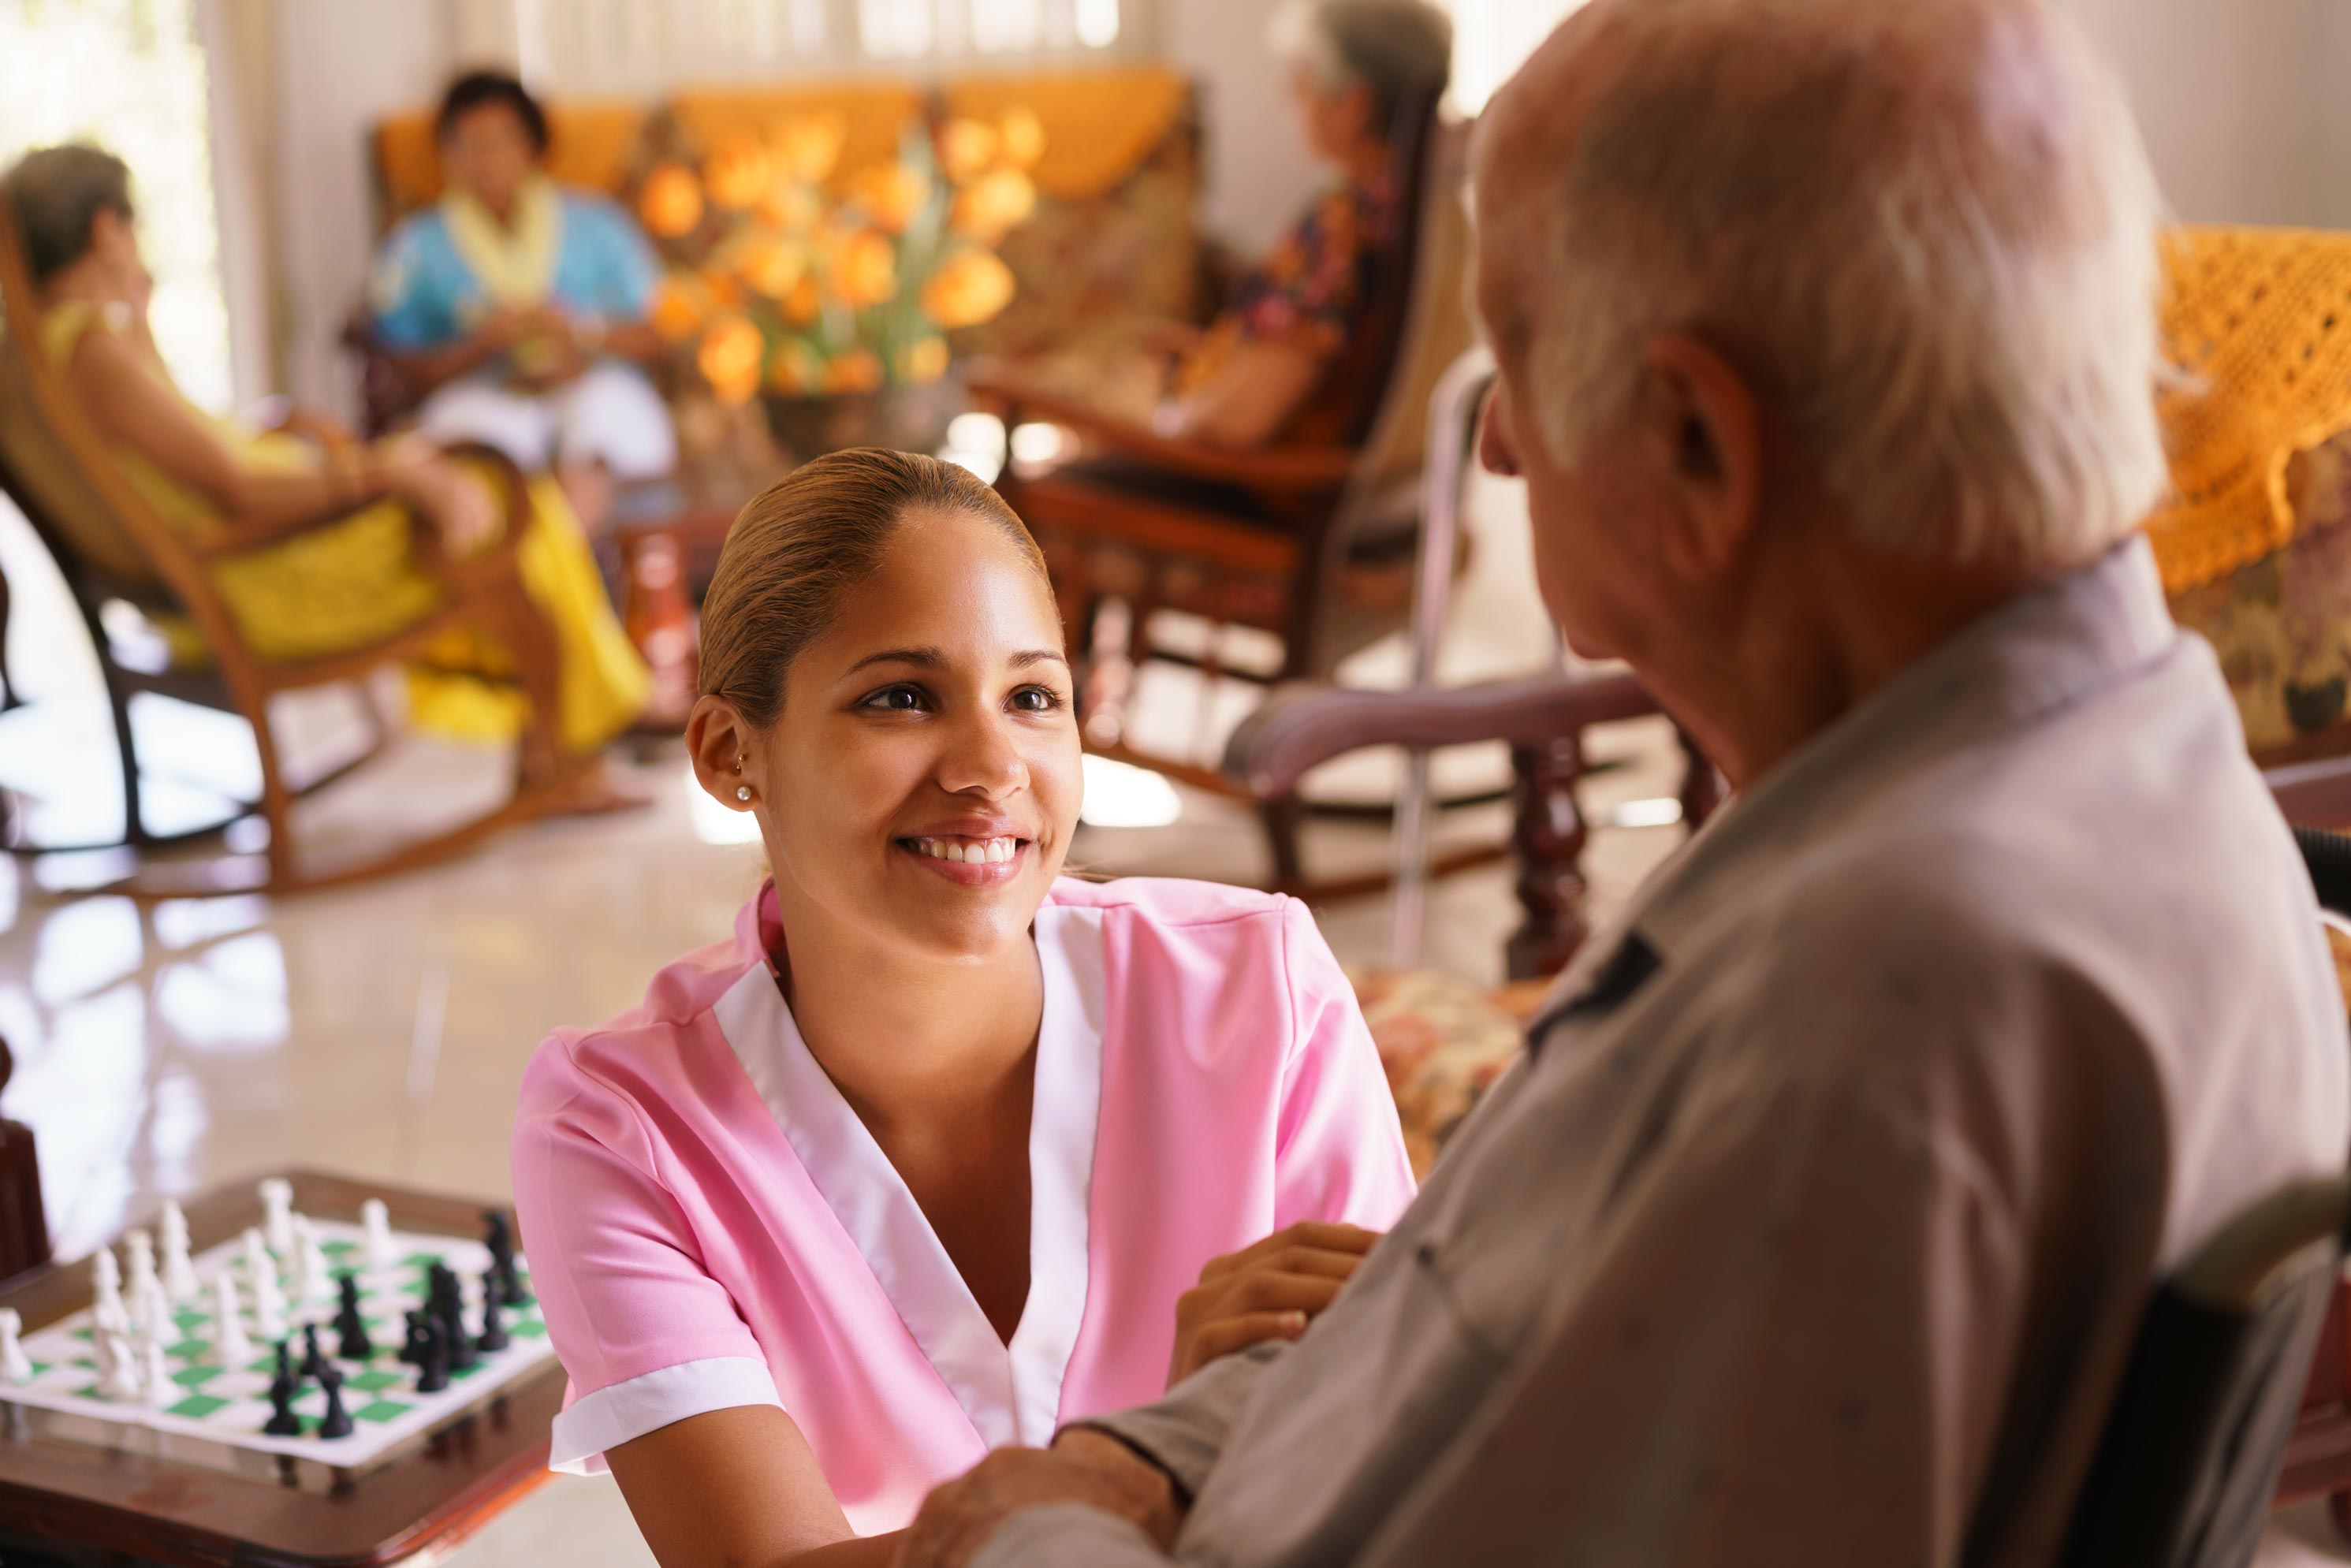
353, 1342
314, 1363
497, 1237
433, 1369
508, 1279
419, 1340
282, 1422
336, 1421
493, 1336
462, 1353
286, 1364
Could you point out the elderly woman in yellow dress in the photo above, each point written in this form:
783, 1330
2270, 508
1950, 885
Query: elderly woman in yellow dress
344, 585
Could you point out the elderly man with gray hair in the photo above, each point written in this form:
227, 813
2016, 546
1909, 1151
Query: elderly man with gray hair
1816, 1225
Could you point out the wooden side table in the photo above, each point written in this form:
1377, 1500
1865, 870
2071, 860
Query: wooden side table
669, 538
85, 1503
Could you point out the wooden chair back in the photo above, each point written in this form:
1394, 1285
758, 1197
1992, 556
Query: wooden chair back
108, 540
1370, 358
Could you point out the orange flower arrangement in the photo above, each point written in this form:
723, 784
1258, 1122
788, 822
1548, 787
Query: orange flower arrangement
789, 282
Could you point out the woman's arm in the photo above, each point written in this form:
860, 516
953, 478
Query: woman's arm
738, 1486
128, 399
428, 369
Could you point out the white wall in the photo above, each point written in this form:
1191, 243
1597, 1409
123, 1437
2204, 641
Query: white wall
1258, 175
340, 67
2235, 97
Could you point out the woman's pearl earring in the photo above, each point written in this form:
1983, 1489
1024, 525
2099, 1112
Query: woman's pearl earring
742, 791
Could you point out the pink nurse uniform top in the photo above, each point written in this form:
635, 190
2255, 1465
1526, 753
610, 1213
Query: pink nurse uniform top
709, 1224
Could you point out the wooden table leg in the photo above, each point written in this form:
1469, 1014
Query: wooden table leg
659, 620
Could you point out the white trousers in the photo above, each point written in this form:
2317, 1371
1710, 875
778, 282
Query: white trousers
609, 413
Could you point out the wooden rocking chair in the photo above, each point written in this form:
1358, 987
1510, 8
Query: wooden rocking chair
1312, 543
114, 549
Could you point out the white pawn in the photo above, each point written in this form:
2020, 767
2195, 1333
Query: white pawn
140, 1247
313, 1277
179, 1271
229, 1340
155, 1379
377, 1218
15, 1365
268, 1301
106, 1274
120, 1378
277, 1203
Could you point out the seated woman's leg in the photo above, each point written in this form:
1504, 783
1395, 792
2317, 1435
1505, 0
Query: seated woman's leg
477, 409
610, 414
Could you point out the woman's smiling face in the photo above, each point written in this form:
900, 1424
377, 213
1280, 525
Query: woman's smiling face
922, 780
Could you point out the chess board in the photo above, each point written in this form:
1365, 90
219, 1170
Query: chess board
229, 1405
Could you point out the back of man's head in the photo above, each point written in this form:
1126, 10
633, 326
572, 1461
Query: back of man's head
1926, 229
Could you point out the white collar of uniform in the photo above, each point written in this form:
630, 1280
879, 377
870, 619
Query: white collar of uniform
1011, 1393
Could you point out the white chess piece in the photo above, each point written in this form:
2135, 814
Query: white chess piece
120, 1378
155, 1378
179, 1271
106, 1275
140, 1248
15, 1365
377, 1218
313, 1276
277, 1203
229, 1338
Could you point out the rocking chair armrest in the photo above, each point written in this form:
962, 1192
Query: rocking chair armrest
1276, 470
1299, 729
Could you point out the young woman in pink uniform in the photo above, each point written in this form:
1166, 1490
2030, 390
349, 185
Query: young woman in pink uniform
939, 1150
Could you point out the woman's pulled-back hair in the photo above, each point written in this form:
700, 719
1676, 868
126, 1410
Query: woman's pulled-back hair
808, 539
55, 192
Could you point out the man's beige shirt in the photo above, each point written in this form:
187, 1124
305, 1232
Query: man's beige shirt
1816, 1227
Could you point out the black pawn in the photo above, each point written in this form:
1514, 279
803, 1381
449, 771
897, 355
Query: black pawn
508, 1281
497, 1237
286, 1364
336, 1421
350, 1327
314, 1363
433, 1370
494, 1332
420, 1338
282, 1422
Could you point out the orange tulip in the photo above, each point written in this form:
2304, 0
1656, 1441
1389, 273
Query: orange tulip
794, 374
993, 204
729, 358
671, 202
858, 371
966, 147
891, 196
923, 361
773, 267
808, 146
970, 287
737, 174
805, 303
1024, 136
794, 209
676, 313
863, 270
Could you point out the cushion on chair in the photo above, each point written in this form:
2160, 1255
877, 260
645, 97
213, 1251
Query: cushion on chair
1443, 1041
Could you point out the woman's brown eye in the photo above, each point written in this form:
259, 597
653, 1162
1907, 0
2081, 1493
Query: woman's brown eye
895, 699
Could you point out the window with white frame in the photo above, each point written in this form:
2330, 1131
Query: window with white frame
628, 48
129, 75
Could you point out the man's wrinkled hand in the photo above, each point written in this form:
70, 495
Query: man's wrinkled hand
1083, 1467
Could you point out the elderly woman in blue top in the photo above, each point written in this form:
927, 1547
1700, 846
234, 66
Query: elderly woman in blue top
519, 308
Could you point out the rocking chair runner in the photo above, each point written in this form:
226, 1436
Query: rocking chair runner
111, 546
1312, 543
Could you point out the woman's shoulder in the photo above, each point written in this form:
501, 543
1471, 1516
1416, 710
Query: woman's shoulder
594, 209
635, 1056
1224, 920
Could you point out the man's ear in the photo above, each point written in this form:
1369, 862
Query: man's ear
1700, 420
715, 738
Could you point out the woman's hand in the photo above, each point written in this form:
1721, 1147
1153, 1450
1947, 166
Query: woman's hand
1270, 1290
463, 514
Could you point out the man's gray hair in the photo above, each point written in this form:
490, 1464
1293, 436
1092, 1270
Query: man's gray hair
54, 193
1396, 49
1927, 229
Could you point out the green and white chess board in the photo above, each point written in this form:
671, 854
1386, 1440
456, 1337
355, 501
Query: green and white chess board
225, 1404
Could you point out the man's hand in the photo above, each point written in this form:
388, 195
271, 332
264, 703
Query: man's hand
1082, 1467
1269, 1290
